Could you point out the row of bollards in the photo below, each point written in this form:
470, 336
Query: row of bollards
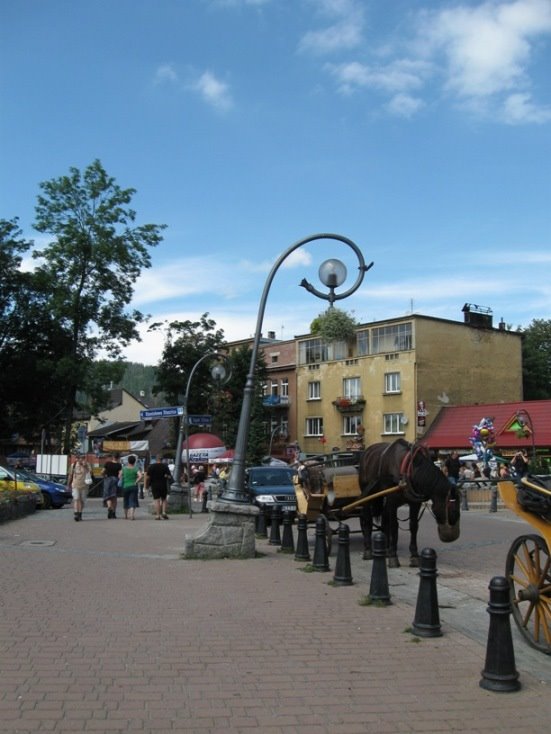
499, 673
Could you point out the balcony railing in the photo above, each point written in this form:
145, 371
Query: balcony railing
349, 405
276, 401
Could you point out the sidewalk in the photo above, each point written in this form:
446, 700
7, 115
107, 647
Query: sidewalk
105, 629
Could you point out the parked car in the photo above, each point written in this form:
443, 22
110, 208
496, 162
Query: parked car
269, 486
9, 481
54, 494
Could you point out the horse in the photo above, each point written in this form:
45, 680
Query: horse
408, 466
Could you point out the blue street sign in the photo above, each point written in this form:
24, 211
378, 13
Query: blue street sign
199, 420
148, 415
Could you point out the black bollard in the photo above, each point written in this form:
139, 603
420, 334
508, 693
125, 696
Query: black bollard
427, 617
287, 541
493, 498
302, 552
320, 562
378, 589
204, 499
260, 523
275, 533
499, 672
343, 572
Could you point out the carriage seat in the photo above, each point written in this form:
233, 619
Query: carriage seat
534, 495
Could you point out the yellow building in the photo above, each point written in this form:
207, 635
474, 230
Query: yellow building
392, 379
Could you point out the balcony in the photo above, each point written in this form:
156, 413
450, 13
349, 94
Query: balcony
349, 405
276, 401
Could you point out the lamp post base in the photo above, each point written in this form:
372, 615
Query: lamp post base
179, 498
230, 533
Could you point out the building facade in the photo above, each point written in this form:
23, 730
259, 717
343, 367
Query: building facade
393, 378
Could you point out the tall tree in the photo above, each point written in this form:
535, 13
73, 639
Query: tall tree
89, 271
536, 357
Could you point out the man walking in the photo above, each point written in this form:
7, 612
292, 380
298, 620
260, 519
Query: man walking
157, 478
110, 485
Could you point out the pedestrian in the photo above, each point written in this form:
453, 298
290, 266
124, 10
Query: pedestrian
453, 465
520, 464
79, 481
199, 482
130, 476
111, 471
157, 478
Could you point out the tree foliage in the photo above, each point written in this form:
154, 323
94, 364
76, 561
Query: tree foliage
186, 343
536, 358
80, 290
334, 324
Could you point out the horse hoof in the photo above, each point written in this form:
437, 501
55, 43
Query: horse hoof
368, 555
393, 562
414, 562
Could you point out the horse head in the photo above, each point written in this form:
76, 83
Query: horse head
428, 481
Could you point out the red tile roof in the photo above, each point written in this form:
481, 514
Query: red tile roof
453, 425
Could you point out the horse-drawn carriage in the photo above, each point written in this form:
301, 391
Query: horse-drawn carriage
372, 486
528, 564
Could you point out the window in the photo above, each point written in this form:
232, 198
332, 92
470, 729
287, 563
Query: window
350, 425
314, 426
392, 423
312, 350
392, 382
395, 338
274, 387
314, 390
274, 358
284, 387
362, 343
351, 387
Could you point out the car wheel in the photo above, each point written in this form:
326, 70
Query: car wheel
47, 501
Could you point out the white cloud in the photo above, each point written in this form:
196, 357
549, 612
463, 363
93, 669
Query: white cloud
404, 105
165, 74
398, 76
345, 33
213, 91
519, 109
481, 56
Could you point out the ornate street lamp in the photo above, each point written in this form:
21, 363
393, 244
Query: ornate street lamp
220, 375
332, 274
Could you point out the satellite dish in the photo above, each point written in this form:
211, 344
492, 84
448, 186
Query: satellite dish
404, 420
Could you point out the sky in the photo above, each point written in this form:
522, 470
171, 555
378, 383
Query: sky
418, 129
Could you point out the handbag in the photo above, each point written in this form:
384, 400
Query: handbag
88, 479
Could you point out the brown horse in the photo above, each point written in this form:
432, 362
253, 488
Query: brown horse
409, 466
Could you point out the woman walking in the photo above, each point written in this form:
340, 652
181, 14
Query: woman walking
130, 476
79, 481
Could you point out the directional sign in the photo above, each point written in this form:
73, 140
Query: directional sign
148, 415
199, 420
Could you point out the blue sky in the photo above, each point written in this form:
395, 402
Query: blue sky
419, 129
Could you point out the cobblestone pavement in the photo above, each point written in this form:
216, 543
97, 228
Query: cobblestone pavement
105, 629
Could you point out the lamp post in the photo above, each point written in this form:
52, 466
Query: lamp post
525, 422
332, 274
219, 375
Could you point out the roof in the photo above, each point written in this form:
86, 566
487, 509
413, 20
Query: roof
128, 428
453, 425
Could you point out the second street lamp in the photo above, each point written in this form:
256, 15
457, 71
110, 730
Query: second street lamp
220, 375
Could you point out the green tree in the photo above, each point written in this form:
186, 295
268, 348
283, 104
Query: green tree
88, 272
186, 343
229, 411
536, 359
29, 341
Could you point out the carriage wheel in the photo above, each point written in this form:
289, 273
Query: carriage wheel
528, 569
